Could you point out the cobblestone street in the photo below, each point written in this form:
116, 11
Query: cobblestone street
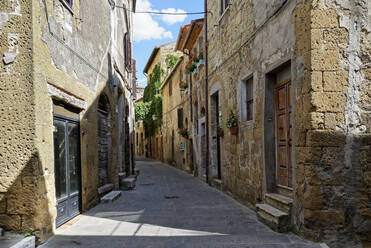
169, 208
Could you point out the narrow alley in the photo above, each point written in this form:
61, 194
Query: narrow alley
169, 208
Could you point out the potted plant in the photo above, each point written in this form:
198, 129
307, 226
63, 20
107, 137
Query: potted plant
201, 58
232, 123
219, 131
183, 132
183, 85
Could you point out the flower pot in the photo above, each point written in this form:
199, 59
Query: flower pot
234, 130
220, 133
201, 62
185, 136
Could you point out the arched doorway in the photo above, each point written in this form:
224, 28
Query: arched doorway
103, 139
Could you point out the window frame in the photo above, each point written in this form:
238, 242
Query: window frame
180, 118
223, 6
170, 87
246, 86
68, 4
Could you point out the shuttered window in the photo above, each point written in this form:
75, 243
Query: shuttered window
127, 51
180, 118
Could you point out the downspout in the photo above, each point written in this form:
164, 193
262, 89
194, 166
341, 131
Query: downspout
206, 94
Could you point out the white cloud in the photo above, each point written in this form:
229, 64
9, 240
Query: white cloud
145, 27
172, 19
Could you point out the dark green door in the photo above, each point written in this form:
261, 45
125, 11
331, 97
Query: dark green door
67, 168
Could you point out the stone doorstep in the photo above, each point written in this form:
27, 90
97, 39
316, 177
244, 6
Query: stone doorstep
111, 196
105, 188
129, 183
280, 202
276, 219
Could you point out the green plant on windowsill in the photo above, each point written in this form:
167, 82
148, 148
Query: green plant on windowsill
183, 132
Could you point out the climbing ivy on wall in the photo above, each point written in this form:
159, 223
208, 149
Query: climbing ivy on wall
150, 110
171, 60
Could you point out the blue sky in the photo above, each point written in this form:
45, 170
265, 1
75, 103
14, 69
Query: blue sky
152, 30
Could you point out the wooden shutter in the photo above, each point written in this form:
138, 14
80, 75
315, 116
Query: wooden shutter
180, 118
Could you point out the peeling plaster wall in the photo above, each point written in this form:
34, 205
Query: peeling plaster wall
70, 55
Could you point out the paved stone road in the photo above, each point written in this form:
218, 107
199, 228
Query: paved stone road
169, 208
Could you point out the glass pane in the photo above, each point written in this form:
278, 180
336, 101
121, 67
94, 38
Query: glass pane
73, 138
250, 110
249, 89
60, 159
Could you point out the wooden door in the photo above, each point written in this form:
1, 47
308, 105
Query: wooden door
282, 101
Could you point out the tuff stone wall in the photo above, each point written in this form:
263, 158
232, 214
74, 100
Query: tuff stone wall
333, 192
326, 44
19, 159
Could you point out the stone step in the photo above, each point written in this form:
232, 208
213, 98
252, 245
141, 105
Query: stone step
128, 183
105, 188
111, 196
279, 201
276, 219
284, 190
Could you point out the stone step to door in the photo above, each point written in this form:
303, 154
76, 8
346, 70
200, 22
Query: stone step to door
128, 183
276, 219
110, 197
279, 201
105, 188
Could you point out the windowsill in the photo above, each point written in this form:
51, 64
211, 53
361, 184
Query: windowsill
224, 13
67, 6
247, 125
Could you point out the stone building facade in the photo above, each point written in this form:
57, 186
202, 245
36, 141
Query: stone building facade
297, 76
66, 108
176, 116
153, 146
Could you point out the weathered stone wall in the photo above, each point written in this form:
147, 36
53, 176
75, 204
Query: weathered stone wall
326, 44
76, 58
170, 104
236, 54
19, 159
333, 192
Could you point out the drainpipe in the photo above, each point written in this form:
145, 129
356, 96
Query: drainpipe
206, 95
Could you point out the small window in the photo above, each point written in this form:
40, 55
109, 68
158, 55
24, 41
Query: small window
69, 3
180, 118
200, 43
170, 88
248, 100
224, 4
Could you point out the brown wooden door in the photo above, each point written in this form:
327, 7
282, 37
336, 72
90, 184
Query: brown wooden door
282, 101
